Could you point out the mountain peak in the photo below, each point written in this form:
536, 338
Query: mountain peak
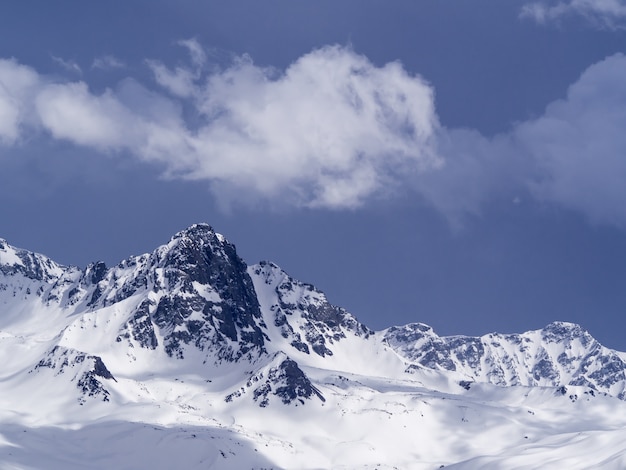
563, 326
196, 249
200, 231
31, 265
560, 331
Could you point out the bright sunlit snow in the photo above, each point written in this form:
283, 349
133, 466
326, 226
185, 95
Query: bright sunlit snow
146, 365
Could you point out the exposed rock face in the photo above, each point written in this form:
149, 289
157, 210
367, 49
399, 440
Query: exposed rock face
30, 265
303, 314
283, 379
86, 371
208, 297
196, 293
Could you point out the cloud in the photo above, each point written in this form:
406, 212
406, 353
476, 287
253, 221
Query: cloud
579, 145
475, 170
17, 84
605, 14
181, 81
196, 52
331, 130
334, 131
107, 62
68, 65
573, 156
71, 112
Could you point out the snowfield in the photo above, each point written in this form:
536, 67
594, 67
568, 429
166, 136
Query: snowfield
188, 358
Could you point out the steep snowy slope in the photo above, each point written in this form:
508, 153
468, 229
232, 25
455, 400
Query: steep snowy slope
205, 362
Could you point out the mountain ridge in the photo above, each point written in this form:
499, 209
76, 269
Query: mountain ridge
196, 292
189, 334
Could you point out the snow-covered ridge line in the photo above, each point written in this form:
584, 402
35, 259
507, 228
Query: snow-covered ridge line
194, 295
251, 368
558, 355
32, 265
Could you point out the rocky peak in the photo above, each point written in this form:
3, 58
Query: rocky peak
31, 265
564, 332
200, 296
196, 251
409, 333
95, 272
283, 378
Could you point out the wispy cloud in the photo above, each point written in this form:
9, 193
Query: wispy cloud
107, 62
196, 51
181, 81
68, 65
606, 14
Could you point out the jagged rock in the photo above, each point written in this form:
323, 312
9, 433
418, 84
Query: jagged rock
559, 354
282, 378
303, 314
84, 369
208, 299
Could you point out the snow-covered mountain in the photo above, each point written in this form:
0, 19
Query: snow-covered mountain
189, 352
558, 355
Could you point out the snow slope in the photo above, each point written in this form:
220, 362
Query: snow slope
186, 357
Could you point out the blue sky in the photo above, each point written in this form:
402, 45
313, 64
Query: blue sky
458, 163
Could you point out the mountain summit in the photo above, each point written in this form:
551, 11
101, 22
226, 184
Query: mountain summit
191, 335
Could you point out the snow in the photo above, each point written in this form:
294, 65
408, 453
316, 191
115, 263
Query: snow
8, 255
381, 407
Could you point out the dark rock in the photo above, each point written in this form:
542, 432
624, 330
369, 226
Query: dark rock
88, 382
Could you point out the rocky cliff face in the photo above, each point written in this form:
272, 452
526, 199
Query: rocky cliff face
86, 371
197, 293
301, 313
32, 266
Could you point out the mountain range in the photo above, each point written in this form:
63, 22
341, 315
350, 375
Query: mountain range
188, 357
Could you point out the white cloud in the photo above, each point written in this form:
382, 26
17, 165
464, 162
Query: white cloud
107, 62
196, 52
17, 83
68, 65
70, 111
182, 80
610, 14
331, 131
334, 130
